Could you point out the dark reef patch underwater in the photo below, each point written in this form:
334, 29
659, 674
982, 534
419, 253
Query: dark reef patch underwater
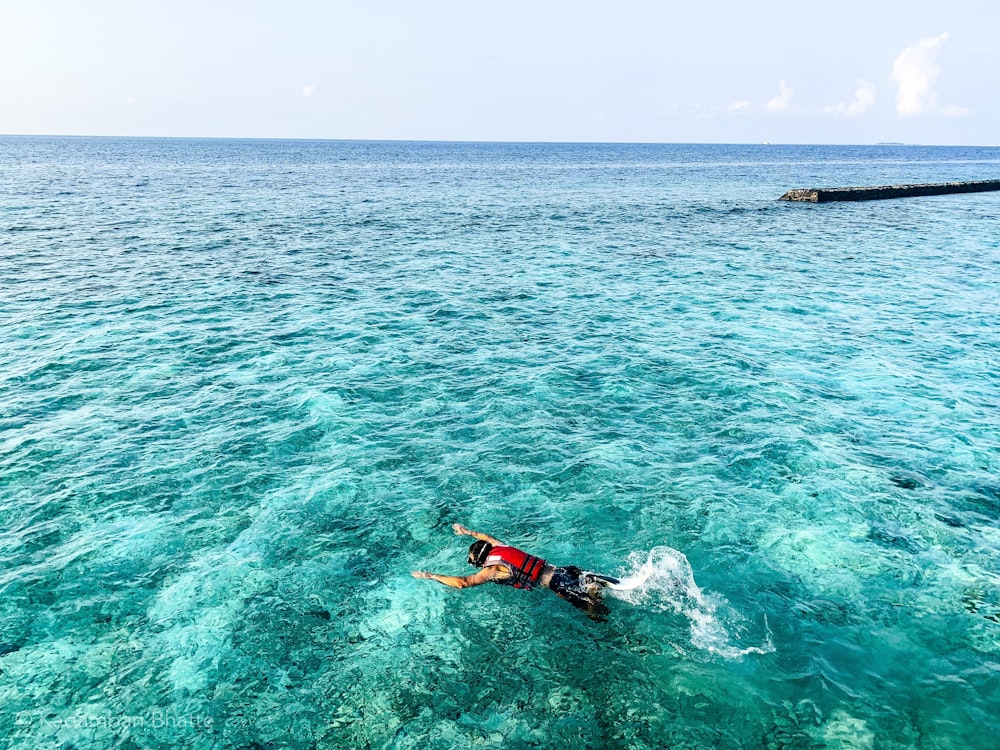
247, 386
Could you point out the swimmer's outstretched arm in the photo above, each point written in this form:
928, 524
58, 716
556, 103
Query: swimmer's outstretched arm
460, 530
463, 582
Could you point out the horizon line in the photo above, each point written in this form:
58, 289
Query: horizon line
471, 141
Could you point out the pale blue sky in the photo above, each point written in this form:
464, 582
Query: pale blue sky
808, 72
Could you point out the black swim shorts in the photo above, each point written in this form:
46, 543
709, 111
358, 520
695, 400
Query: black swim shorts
577, 587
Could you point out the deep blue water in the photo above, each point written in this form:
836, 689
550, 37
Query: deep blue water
247, 386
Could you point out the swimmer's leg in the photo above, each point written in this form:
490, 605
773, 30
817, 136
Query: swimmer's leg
597, 610
592, 605
576, 587
595, 583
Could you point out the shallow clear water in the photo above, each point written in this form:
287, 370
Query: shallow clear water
246, 387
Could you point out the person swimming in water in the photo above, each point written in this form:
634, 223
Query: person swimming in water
510, 566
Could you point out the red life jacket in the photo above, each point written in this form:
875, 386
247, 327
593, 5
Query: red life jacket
525, 569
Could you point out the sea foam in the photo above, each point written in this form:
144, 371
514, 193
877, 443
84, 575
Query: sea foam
662, 580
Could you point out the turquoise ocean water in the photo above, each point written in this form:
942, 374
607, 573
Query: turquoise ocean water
247, 386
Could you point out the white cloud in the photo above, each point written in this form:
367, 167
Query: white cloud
916, 71
712, 111
953, 110
864, 98
782, 100
309, 90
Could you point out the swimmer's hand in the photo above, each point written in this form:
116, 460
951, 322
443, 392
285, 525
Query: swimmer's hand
422, 574
460, 530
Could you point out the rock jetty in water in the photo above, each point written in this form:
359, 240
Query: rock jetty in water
881, 192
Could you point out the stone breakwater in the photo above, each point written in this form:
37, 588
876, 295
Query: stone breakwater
881, 192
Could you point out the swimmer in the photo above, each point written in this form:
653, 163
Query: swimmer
510, 566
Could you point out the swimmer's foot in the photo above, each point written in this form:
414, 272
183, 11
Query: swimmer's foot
603, 580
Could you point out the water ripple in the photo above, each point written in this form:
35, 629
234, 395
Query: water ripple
246, 387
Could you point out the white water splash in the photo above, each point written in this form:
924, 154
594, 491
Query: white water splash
665, 581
